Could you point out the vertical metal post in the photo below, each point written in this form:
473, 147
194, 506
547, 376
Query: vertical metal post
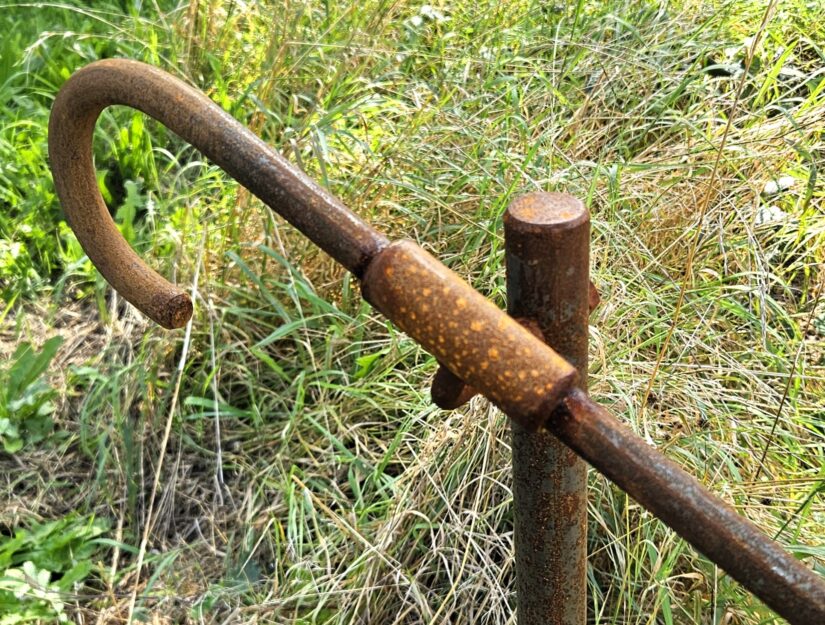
547, 245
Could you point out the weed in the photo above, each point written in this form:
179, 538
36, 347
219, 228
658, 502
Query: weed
43, 565
25, 397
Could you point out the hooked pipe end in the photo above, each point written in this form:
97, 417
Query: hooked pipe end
175, 312
71, 127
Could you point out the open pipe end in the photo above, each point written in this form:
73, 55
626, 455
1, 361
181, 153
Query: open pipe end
175, 312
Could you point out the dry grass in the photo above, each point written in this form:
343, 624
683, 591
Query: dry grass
306, 481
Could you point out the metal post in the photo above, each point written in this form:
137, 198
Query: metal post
547, 244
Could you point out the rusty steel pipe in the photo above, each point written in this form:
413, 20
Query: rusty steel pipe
780, 580
547, 255
201, 122
703, 519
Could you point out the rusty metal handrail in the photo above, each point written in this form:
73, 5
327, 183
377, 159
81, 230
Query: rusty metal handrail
477, 342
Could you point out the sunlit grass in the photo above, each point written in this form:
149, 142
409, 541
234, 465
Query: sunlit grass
308, 478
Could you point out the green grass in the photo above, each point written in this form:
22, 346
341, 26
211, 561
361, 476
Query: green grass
306, 476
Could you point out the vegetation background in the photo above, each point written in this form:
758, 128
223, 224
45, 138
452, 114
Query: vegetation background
280, 461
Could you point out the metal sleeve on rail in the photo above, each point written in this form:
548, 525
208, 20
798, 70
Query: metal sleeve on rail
468, 334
